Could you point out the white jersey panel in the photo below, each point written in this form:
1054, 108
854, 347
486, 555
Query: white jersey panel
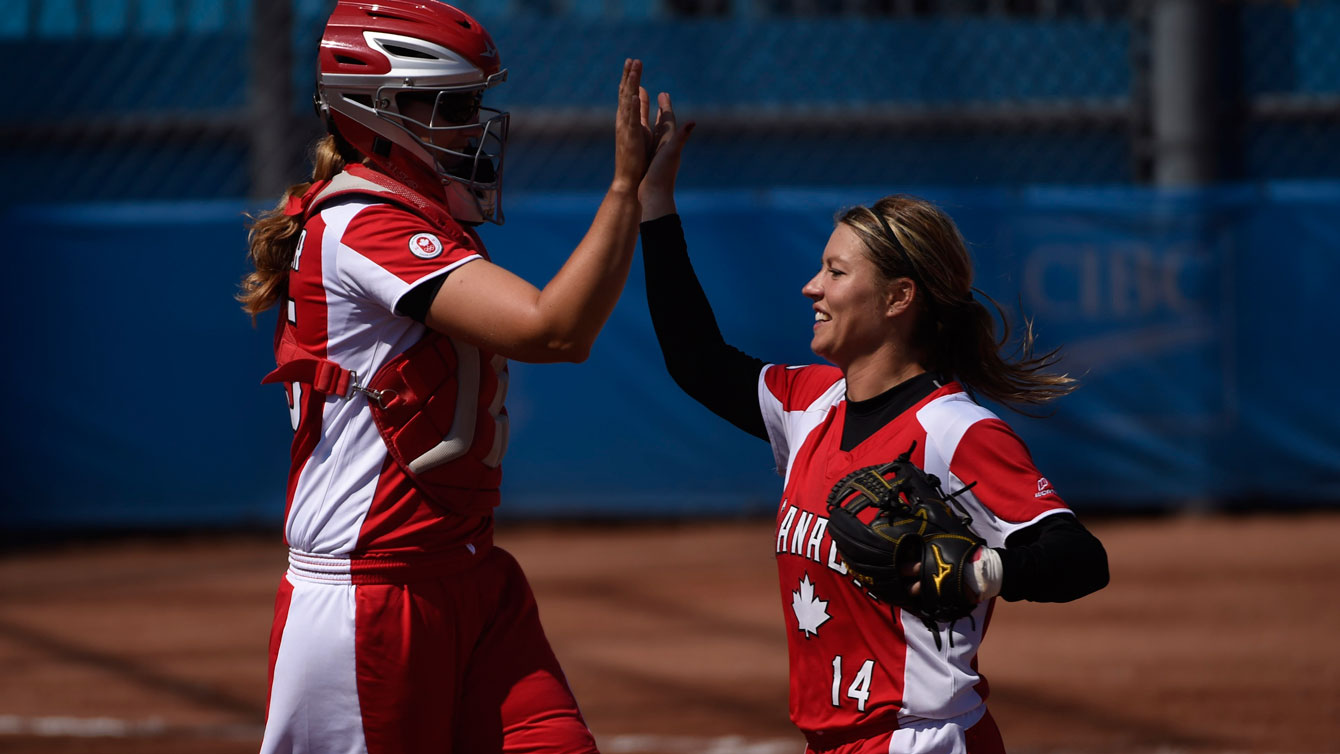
338, 482
942, 676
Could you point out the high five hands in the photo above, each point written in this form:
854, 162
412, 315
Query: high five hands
647, 154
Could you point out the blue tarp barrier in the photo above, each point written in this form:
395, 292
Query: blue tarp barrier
1199, 322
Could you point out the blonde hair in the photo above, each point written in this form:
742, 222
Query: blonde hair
273, 236
906, 236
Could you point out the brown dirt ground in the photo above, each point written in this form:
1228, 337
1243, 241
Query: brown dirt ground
1217, 634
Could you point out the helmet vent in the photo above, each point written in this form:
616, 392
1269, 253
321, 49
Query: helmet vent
346, 60
405, 52
464, 24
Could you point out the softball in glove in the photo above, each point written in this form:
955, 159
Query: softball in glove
915, 522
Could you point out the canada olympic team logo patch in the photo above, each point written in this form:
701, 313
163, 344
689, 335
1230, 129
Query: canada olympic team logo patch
425, 245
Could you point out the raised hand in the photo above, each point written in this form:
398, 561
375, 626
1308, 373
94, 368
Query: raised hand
657, 192
632, 138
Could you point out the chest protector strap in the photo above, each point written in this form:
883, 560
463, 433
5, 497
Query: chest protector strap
298, 365
427, 403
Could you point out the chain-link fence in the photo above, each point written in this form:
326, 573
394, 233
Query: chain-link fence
170, 99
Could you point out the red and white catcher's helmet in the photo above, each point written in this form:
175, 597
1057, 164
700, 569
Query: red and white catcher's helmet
382, 61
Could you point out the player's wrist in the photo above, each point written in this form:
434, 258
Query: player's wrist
987, 574
656, 206
624, 188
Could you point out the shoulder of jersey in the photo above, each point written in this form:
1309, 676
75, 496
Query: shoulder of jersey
800, 386
955, 407
948, 419
389, 229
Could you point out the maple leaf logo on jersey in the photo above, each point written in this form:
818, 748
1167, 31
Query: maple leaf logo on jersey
811, 612
425, 245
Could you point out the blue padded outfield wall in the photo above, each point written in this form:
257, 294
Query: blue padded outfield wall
1203, 325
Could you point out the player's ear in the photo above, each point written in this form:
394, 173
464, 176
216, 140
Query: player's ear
900, 294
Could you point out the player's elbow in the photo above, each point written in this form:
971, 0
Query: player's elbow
568, 340
1088, 570
569, 351
1102, 576
552, 347
579, 355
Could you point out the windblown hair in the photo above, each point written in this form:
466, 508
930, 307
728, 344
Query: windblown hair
906, 236
273, 236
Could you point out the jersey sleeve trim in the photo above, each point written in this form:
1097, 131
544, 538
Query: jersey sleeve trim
431, 276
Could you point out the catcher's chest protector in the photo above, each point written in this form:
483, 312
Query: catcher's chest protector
438, 406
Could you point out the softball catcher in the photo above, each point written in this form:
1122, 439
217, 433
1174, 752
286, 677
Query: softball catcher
398, 626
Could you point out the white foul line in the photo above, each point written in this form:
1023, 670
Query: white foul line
635, 744
111, 727
154, 727
56, 726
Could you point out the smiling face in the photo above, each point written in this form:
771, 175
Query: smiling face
852, 302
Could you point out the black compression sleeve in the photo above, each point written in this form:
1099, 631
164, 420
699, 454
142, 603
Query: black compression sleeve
1054, 560
712, 372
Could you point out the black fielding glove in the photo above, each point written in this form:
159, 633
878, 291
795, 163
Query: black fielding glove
915, 523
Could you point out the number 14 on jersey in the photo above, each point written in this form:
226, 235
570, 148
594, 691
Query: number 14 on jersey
858, 689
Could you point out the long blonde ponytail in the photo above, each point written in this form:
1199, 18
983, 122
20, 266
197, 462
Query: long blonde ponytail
273, 236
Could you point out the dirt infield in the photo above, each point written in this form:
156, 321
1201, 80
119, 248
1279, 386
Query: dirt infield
1216, 635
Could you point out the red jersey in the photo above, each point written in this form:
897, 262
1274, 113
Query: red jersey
859, 666
357, 256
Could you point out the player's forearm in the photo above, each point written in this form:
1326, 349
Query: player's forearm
717, 375
580, 298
